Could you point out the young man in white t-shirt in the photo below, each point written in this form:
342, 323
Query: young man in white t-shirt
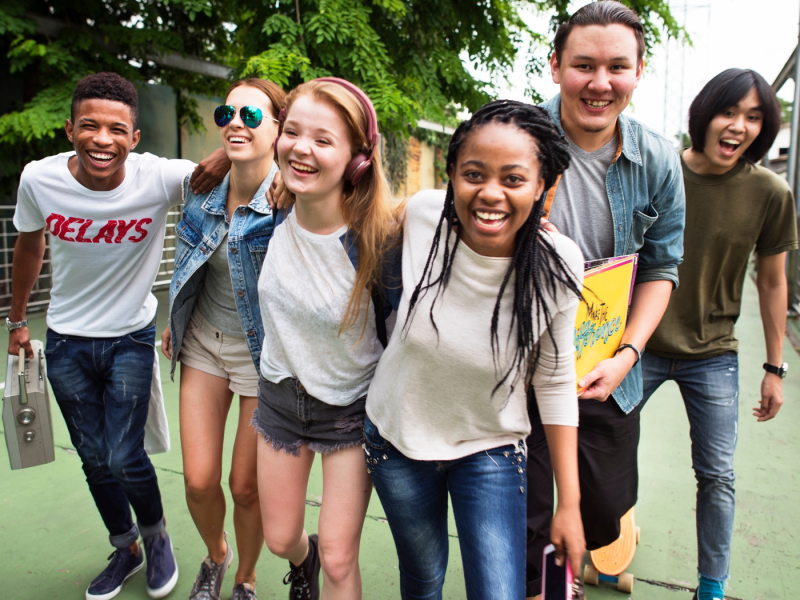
106, 212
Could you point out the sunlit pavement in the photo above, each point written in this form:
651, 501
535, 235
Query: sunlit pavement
54, 543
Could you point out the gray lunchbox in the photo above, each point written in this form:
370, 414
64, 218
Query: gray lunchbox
26, 410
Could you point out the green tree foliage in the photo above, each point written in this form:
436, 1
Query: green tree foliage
50, 44
415, 58
786, 110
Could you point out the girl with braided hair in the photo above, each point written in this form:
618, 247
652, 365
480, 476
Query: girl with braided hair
487, 310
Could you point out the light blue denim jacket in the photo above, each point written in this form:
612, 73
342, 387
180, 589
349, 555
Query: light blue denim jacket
199, 232
645, 189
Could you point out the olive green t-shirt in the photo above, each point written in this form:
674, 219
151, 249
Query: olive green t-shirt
727, 216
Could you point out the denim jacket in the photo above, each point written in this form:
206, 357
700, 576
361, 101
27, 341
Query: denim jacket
645, 190
199, 232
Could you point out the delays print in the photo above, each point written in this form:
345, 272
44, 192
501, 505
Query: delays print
115, 231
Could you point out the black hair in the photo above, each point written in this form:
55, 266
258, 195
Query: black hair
604, 13
106, 86
537, 264
724, 91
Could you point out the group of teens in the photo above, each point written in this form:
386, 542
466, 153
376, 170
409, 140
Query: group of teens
484, 300
423, 347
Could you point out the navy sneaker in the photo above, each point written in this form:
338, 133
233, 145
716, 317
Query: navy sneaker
162, 570
108, 584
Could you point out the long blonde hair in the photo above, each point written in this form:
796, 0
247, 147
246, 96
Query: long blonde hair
367, 207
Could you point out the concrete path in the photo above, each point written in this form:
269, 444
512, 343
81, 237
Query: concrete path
53, 542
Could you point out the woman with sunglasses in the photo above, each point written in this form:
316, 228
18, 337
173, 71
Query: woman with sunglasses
215, 330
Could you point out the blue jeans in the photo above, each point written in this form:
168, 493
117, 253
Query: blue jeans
488, 493
710, 390
102, 386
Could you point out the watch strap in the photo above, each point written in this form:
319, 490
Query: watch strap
779, 371
12, 325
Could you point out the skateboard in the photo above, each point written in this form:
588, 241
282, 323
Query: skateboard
609, 563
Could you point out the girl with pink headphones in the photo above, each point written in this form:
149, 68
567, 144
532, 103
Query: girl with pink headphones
319, 299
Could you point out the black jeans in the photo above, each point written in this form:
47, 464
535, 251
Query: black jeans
608, 440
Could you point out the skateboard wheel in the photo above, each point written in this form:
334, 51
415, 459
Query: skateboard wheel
638, 534
590, 575
625, 582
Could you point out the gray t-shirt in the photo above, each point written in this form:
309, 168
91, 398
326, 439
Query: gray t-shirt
217, 303
581, 209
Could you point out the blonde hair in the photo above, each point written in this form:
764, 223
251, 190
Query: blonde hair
367, 207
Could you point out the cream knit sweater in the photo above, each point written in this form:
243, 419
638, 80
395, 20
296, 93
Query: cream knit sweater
431, 396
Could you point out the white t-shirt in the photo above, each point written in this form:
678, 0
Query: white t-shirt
431, 395
303, 291
105, 247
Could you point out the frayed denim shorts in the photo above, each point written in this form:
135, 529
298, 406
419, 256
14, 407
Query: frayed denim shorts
289, 417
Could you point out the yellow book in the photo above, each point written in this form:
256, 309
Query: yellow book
603, 313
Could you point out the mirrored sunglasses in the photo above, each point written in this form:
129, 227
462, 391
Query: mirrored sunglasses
251, 115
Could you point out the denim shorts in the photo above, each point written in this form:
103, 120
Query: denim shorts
288, 417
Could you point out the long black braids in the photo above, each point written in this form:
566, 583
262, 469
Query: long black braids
538, 266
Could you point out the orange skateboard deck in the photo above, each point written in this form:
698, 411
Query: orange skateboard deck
609, 563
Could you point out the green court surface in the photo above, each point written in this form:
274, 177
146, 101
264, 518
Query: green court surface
53, 542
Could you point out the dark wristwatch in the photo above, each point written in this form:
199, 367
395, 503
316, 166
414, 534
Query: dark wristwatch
11, 325
779, 371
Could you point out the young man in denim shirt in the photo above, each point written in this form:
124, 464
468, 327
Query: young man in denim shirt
106, 211
622, 194
733, 206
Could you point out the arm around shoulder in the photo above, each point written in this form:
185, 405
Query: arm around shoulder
210, 172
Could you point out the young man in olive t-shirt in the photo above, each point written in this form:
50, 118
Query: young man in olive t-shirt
733, 206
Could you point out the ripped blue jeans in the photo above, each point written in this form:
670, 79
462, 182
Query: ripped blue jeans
488, 492
102, 386
710, 390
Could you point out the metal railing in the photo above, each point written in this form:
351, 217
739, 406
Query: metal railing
40, 296
793, 277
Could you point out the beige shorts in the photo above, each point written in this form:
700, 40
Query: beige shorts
209, 350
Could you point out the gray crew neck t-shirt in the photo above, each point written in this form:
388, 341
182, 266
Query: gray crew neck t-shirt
581, 209
216, 302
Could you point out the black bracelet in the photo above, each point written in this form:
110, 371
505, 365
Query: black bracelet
632, 347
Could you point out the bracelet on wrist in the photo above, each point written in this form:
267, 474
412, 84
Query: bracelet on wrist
632, 347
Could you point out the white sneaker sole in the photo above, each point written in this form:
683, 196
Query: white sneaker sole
170, 585
116, 590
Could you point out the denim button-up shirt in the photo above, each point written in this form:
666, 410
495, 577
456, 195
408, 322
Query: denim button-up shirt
200, 231
645, 190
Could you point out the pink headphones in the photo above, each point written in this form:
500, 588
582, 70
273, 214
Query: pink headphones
360, 163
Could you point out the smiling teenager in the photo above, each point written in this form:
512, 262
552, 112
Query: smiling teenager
488, 309
321, 341
215, 331
622, 194
106, 210
733, 206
